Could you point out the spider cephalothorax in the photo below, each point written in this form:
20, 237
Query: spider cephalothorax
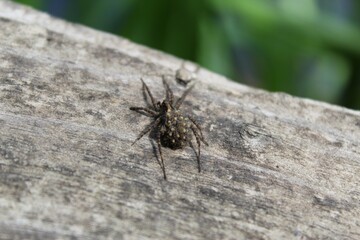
171, 128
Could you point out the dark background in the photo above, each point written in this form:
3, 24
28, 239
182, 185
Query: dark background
308, 48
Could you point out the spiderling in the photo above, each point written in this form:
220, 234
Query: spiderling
184, 76
171, 128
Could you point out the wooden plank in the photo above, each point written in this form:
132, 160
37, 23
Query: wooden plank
278, 167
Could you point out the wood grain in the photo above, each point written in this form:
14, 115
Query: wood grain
278, 167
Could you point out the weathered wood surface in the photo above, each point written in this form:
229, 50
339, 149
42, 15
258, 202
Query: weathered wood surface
278, 167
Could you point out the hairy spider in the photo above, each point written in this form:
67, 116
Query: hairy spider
171, 128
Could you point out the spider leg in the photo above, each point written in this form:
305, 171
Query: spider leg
146, 88
197, 158
182, 98
197, 137
169, 93
147, 129
158, 140
145, 111
199, 128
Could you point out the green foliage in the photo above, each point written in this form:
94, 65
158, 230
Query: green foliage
307, 48
33, 3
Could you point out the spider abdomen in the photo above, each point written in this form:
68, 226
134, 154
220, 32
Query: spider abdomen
175, 132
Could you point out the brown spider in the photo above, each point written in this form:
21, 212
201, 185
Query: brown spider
171, 128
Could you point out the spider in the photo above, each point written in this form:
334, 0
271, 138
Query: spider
184, 75
171, 128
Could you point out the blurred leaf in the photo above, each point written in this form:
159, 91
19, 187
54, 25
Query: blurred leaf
338, 33
300, 11
259, 14
324, 78
33, 3
214, 50
106, 14
167, 25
